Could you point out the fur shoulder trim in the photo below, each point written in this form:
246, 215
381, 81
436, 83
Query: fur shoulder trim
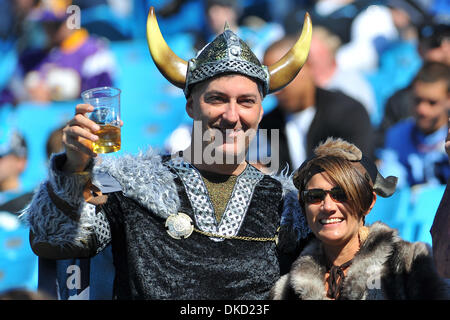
292, 214
363, 279
308, 273
144, 178
278, 291
384, 267
48, 223
379, 232
285, 178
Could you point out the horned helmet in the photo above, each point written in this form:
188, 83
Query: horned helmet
227, 53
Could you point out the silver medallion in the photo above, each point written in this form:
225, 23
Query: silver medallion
179, 225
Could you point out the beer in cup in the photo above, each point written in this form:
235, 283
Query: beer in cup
106, 103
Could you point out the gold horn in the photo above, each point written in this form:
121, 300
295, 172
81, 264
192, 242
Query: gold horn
284, 71
172, 67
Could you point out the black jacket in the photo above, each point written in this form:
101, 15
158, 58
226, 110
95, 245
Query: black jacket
337, 115
385, 267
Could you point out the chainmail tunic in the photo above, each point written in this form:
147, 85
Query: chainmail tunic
219, 260
152, 265
219, 189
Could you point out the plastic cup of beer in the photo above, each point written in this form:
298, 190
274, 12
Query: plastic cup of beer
106, 103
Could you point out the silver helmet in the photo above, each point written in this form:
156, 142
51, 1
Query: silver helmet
227, 53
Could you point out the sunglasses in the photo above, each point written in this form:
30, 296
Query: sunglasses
314, 196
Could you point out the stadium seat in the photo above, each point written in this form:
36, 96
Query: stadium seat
391, 211
36, 122
151, 107
18, 263
425, 201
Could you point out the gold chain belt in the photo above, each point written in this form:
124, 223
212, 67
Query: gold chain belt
209, 234
181, 226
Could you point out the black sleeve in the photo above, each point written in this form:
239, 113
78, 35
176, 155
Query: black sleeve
352, 123
439, 233
397, 107
341, 116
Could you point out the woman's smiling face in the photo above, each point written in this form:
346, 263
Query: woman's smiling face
331, 221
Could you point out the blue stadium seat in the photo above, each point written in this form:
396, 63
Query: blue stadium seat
36, 122
391, 211
18, 263
102, 20
151, 107
425, 201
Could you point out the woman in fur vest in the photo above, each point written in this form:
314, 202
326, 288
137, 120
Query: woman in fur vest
346, 260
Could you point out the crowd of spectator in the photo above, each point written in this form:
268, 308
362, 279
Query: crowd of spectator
377, 75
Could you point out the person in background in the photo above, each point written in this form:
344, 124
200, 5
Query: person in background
257, 33
337, 188
362, 25
13, 161
14, 25
72, 61
329, 75
414, 148
307, 114
18, 264
434, 46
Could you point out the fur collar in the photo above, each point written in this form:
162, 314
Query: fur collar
144, 178
292, 214
147, 179
363, 278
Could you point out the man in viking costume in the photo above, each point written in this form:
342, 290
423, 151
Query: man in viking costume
181, 227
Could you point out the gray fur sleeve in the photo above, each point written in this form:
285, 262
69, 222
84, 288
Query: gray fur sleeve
278, 291
292, 214
50, 225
